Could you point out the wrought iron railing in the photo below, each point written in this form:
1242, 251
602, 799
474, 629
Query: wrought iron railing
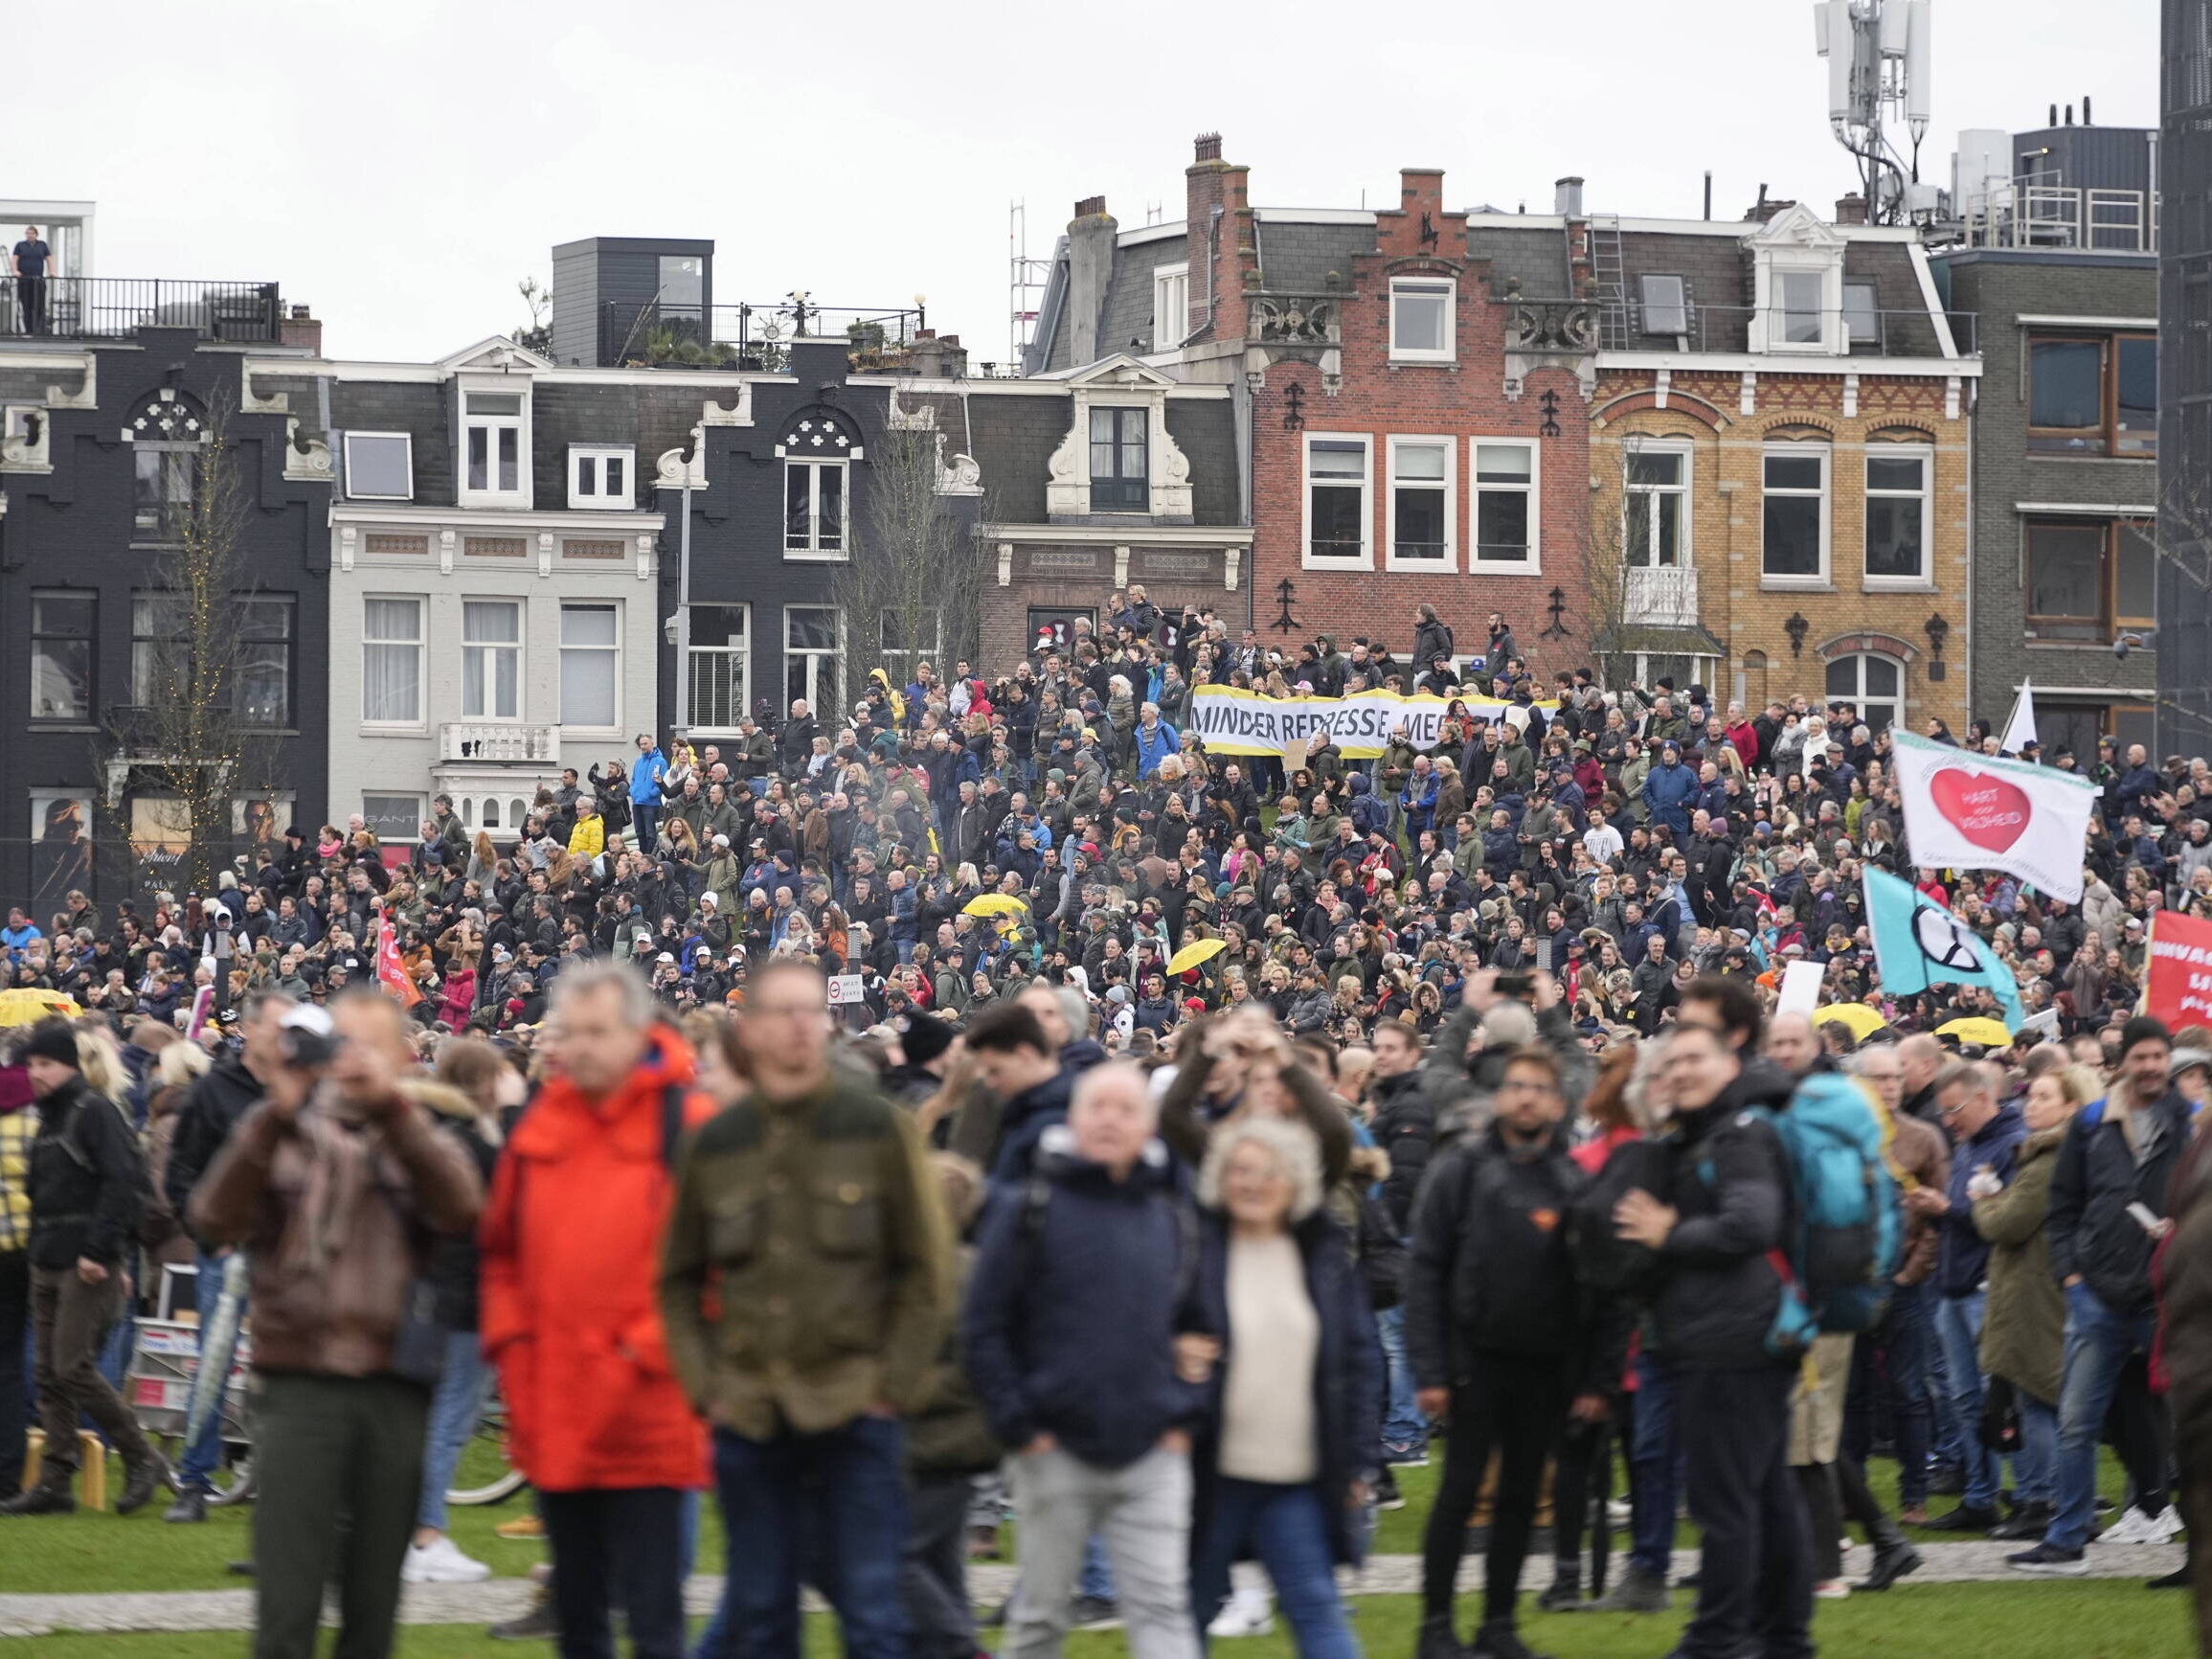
117, 308
747, 336
1850, 331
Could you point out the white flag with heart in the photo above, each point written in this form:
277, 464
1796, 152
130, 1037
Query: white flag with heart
1967, 812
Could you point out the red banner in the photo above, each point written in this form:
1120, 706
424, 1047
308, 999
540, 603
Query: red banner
2178, 987
391, 973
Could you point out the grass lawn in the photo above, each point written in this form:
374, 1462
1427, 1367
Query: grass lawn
2026, 1621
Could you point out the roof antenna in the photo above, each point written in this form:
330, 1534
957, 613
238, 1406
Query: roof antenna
1708, 193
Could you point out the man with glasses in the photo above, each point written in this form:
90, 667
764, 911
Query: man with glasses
1984, 1135
806, 1286
28, 263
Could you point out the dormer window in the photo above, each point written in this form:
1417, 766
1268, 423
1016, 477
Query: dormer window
1798, 278
1421, 321
817, 448
1120, 469
493, 441
1796, 308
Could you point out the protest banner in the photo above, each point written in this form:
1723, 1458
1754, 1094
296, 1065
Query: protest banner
2178, 986
1918, 943
1967, 812
1234, 721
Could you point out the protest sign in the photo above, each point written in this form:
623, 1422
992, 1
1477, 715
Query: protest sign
1968, 812
2177, 988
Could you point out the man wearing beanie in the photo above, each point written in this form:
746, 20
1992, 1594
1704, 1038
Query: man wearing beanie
2113, 1169
84, 1212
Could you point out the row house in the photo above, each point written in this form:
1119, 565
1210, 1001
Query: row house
115, 422
1779, 461
1411, 424
2059, 263
493, 559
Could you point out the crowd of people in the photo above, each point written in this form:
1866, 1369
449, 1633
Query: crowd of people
992, 1096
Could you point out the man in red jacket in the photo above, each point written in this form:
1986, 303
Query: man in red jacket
571, 1243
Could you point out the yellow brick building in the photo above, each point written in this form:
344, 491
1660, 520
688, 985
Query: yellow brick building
1780, 467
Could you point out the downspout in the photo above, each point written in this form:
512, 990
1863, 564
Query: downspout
683, 711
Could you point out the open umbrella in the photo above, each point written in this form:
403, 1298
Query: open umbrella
1854, 1017
1192, 954
30, 1007
994, 904
1990, 1034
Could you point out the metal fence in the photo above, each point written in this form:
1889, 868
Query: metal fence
117, 308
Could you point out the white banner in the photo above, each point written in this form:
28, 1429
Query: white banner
1233, 721
1967, 812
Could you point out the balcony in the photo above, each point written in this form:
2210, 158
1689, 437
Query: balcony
1661, 596
498, 743
2035, 211
660, 334
1782, 331
118, 307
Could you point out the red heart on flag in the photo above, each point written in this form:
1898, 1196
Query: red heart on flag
1987, 810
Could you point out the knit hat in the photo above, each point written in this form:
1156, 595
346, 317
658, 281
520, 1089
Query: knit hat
2142, 1029
924, 1038
53, 1040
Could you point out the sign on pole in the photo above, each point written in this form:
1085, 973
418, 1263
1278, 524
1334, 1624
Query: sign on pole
843, 989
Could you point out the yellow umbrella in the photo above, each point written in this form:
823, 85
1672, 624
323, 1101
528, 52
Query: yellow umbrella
1990, 1034
993, 904
30, 1007
1194, 953
1854, 1017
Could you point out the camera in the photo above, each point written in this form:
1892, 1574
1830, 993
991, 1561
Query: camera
1517, 984
307, 1038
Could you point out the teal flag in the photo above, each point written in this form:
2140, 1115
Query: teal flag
1918, 943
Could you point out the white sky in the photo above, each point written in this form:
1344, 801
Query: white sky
401, 165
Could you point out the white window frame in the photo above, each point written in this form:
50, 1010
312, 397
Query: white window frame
812, 551
1366, 488
1450, 352
1533, 564
1767, 319
1170, 305
743, 653
519, 646
588, 466
518, 423
1687, 452
406, 441
840, 654
563, 647
1651, 311
1925, 454
419, 645
1448, 564
1826, 455
1860, 696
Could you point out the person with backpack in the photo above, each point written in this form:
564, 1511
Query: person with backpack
1985, 1136
2109, 1207
1719, 1230
1088, 1344
88, 1187
567, 1266
1503, 1339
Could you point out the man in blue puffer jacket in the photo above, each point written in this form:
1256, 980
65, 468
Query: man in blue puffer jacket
1085, 1277
645, 775
1669, 789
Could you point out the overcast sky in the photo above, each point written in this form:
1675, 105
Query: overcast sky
400, 164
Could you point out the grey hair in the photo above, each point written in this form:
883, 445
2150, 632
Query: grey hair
1967, 1075
1298, 1154
1075, 1009
625, 982
1100, 1077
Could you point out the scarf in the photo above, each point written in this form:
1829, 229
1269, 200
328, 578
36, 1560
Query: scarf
341, 1166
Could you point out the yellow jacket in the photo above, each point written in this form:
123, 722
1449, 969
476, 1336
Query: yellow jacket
589, 838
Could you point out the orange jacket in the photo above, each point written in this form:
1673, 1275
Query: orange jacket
571, 1251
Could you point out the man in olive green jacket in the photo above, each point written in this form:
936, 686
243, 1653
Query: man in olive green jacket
806, 1289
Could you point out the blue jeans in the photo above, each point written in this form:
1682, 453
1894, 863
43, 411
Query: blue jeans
1097, 1579
462, 1391
642, 820
2035, 1465
1895, 1351
2098, 1344
1959, 1328
1654, 1465
1288, 1528
1403, 1427
842, 1493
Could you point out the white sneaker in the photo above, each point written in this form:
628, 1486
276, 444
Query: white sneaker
1248, 1612
2132, 1528
1619, 1513
440, 1564
2162, 1527
1831, 1590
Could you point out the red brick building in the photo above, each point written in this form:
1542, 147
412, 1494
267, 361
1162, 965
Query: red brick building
1412, 392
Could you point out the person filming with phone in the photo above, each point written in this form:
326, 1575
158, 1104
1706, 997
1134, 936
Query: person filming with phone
338, 1185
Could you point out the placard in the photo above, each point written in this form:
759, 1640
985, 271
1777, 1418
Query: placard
844, 989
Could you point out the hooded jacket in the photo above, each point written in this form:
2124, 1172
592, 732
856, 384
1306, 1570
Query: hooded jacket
1962, 1260
571, 1246
83, 1179
2098, 1176
1082, 1283
1729, 1181
218, 1098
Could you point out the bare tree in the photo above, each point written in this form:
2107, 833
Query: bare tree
909, 588
1606, 573
198, 734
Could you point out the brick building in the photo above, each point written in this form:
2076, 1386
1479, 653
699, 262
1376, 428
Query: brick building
1779, 462
1409, 386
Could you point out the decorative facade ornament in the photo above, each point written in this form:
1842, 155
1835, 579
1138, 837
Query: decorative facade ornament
898, 419
963, 476
168, 417
26, 440
307, 459
673, 472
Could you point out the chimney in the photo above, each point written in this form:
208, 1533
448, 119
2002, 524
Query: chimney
1851, 209
1208, 146
1763, 210
2069, 115
935, 356
1090, 268
1217, 221
300, 327
2085, 109
1567, 197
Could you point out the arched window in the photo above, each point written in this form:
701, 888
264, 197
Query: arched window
1875, 684
469, 811
491, 814
1751, 682
818, 445
514, 813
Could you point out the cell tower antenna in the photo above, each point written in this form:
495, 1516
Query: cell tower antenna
1879, 87
1026, 280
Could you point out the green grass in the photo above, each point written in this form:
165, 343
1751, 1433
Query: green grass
2025, 1620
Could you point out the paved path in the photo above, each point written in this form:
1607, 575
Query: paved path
503, 1597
